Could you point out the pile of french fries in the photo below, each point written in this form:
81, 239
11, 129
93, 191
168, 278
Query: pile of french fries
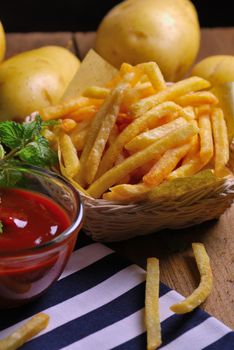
120, 141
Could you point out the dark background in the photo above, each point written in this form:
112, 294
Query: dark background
84, 15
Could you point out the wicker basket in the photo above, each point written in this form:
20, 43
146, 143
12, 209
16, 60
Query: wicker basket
110, 221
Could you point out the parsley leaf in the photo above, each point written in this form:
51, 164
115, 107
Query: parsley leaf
1, 227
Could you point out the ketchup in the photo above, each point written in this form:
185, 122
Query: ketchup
29, 220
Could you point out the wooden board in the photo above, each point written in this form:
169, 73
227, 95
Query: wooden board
178, 269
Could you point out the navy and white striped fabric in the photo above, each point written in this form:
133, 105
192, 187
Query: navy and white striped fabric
98, 303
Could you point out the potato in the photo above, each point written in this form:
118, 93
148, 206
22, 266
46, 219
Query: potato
2, 42
164, 31
34, 79
217, 69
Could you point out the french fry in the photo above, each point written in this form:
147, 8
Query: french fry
148, 137
190, 168
197, 99
64, 108
113, 135
194, 146
220, 139
98, 146
84, 113
127, 192
154, 75
152, 320
69, 155
165, 165
154, 151
203, 109
190, 112
78, 138
24, 333
204, 289
147, 121
144, 90
96, 92
171, 93
68, 124
206, 139
93, 133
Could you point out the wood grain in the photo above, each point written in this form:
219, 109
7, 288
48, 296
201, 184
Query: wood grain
173, 248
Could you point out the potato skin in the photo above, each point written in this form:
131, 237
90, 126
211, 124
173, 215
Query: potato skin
34, 79
217, 69
164, 31
2, 43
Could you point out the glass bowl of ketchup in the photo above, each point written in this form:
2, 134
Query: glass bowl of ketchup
40, 217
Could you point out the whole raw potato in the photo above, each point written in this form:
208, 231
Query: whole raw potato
34, 79
2, 43
164, 31
217, 69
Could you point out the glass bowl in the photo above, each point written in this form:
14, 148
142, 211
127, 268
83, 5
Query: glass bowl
27, 273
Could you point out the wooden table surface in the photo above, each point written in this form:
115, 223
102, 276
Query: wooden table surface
178, 269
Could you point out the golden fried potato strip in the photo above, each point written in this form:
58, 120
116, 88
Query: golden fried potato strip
93, 133
197, 99
64, 108
103, 134
190, 168
96, 92
152, 320
171, 93
127, 192
154, 74
204, 289
69, 155
24, 333
220, 140
84, 113
154, 151
194, 146
165, 165
146, 138
148, 121
206, 138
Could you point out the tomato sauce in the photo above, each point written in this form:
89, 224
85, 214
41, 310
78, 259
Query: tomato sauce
30, 219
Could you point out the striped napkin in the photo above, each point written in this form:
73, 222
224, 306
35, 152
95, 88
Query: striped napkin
98, 303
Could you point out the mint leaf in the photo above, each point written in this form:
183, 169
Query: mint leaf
32, 129
50, 123
1, 227
38, 153
11, 134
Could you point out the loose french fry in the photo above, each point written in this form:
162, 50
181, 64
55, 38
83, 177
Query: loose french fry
148, 121
24, 333
63, 109
111, 177
144, 90
194, 146
152, 320
197, 99
113, 135
165, 165
148, 137
204, 289
220, 139
98, 147
206, 139
171, 93
96, 92
127, 192
203, 109
154, 75
190, 112
69, 155
193, 166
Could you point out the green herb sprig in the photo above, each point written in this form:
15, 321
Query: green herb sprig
23, 143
